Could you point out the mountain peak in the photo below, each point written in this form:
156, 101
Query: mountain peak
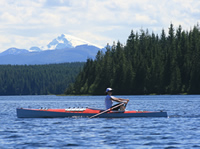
14, 51
60, 42
67, 41
34, 49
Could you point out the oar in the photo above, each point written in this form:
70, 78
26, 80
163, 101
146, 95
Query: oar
106, 110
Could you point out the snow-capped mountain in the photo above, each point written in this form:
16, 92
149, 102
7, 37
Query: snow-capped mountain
64, 48
66, 41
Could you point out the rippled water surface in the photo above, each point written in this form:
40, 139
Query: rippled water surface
180, 130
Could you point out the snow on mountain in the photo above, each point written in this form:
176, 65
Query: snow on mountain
67, 41
61, 42
77, 41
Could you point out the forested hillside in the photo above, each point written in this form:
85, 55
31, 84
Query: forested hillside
168, 63
37, 79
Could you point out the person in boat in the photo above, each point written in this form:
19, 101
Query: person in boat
109, 100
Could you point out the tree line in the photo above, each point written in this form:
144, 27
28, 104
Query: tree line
146, 64
37, 79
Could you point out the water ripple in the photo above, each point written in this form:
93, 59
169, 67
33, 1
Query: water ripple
180, 130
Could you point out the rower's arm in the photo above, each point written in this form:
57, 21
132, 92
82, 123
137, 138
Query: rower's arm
116, 99
120, 100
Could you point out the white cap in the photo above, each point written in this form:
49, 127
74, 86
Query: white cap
109, 89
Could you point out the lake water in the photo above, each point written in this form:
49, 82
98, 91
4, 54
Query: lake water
180, 130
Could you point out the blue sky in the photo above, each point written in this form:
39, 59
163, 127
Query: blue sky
26, 23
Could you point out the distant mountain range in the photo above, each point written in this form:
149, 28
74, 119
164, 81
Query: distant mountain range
64, 48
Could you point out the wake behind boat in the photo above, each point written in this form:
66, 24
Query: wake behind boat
84, 112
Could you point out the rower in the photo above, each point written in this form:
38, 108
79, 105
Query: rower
109, 100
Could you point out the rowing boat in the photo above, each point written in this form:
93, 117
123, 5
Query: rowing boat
84, 112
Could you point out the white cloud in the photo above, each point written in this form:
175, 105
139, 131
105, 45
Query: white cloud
36, 22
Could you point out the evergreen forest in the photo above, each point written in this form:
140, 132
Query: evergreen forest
168, 63
37, 79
